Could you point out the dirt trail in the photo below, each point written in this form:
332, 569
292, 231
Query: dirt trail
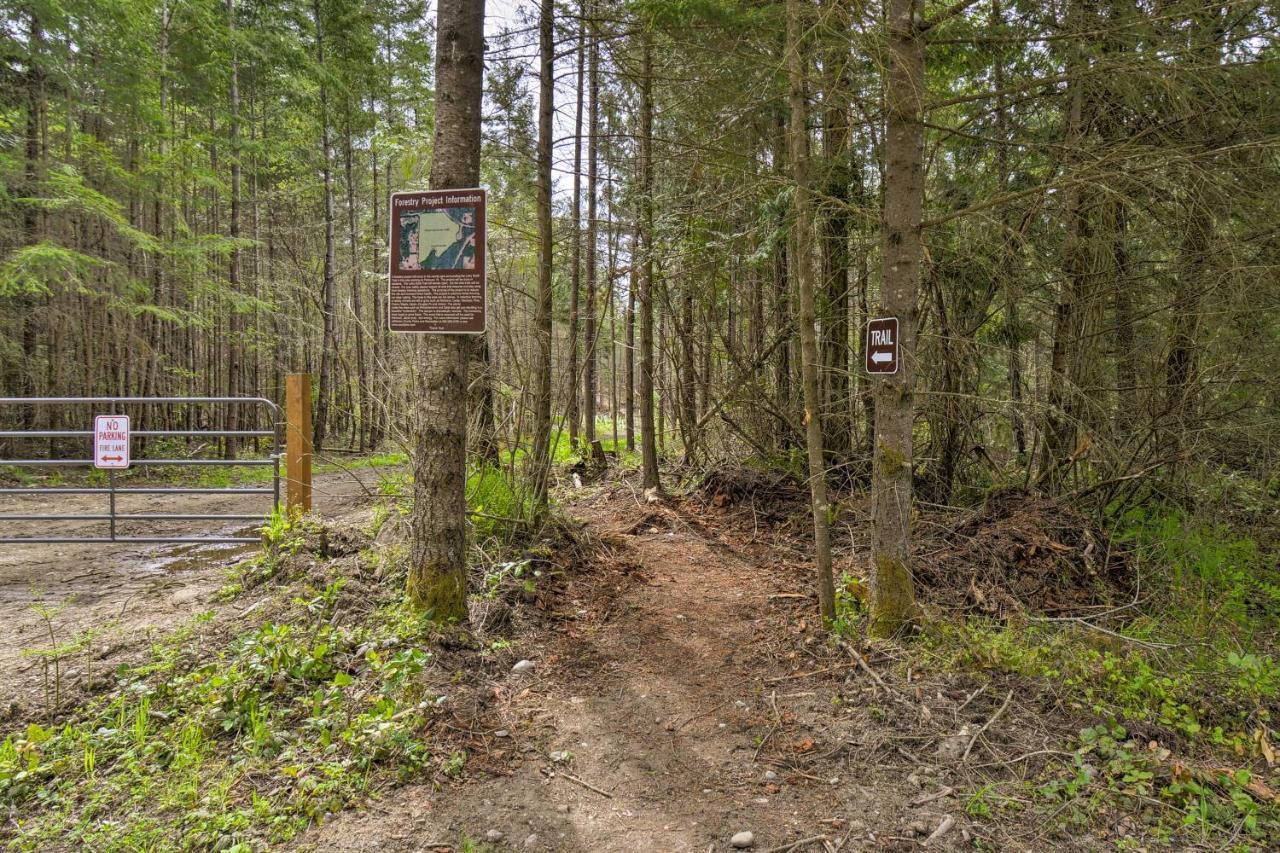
118, 593
668, 691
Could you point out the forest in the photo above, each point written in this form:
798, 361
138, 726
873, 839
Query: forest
946, 333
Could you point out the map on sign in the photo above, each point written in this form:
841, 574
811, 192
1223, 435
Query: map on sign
111, 441
443, 239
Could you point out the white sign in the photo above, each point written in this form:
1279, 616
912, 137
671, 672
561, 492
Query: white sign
111, 441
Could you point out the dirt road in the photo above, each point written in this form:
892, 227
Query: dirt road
95, 602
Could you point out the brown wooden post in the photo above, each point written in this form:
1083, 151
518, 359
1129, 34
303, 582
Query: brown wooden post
298, 441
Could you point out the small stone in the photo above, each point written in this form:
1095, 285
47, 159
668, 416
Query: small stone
522, 666
563, 808
743, 840
185, 596
559, 756
502, 733
770, 776
952, 748
531, 840
493, 836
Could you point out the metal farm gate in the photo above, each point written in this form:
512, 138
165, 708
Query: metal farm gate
195, 410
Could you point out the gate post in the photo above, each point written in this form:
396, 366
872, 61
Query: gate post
298, 448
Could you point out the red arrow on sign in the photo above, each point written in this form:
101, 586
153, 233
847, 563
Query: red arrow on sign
113, 459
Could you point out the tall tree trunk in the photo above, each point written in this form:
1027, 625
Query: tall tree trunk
686, 383
798, 151
837, 437
593, 150
892, 592
542, 311
648, 437
1006, 281
1076, 312
374, 415
1182, 364
573, 412
24, 382
438, 571
362, 401
329, 344
633, 279
235, 341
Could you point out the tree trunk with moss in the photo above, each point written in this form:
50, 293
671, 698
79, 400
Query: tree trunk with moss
438, 573
892, 591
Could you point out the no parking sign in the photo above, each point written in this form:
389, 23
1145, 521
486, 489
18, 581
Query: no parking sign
111, 441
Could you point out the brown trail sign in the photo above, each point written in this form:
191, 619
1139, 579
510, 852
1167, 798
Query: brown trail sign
882, 345
437, 276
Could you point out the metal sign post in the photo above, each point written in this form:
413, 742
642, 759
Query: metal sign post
882, 345
436, 281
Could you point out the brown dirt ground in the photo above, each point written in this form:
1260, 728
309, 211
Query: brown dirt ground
118, 594
672, 676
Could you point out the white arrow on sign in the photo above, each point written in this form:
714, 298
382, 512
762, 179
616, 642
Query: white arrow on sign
879, 357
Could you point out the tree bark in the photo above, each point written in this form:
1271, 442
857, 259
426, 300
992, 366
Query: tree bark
329, 344
573, 412
648, 437
438, 571
542, 311
362, 405
837, 436
593, 150
235, 342
632, 280
892, 591
798, 154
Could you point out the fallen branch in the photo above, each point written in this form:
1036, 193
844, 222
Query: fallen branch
795, 675
1007, 699
552, 774
943, 829
794, 844
862, 664
929, 798
1086, 623
777, 721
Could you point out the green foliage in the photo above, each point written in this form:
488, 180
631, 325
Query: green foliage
1108, 765
38, 269
167, 758
851, 606
498, 505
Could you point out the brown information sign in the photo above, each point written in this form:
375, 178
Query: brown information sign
882, 345
437, 281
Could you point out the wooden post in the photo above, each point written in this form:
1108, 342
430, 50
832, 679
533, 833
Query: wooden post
298, 442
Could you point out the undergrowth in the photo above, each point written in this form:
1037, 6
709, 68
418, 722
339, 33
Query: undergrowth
1178, 693
240, 742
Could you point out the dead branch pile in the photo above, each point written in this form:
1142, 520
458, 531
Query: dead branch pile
765, 490
1024, 552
